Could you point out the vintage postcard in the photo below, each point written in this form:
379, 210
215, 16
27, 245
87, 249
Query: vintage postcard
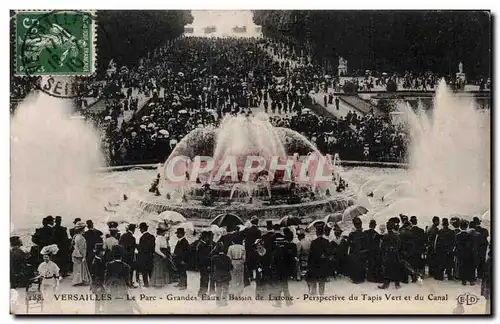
250, 162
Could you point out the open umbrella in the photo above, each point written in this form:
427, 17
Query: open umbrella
353, 211
164, 132
290, 221
335, 217
183, 111
316, 223
230, 221
171, 216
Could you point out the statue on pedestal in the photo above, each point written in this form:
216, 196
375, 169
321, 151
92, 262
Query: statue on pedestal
342, 68
460, 68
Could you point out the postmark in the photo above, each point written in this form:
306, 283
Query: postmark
55, 43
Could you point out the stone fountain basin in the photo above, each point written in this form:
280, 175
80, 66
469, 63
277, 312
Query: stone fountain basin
194, 209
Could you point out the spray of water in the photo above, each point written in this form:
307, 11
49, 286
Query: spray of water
449, 159
53, 162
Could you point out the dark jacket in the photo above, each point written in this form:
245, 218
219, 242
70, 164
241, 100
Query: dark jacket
465, 255
203, 261
19, 270
117, 277
318, 267
419, 237
61, 237
284, 261
127, 240
181, 251
92, 236
445, 241
222, 268
97, 271
358, 243
371, 236
252, 234
431, 237
391, 250
146, 250
44, 236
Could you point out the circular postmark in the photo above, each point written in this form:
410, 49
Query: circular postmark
59, 48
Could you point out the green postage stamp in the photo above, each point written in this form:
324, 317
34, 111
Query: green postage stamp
55, 43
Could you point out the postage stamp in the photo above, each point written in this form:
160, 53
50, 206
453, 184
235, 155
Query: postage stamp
54, 43
251, 162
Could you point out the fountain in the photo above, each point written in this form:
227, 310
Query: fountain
449, 162
53, 162
55, 157
261, 194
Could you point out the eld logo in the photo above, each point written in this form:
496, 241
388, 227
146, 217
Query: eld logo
467, 299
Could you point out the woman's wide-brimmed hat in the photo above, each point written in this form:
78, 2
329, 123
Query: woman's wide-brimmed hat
80, 225
162, 227
49, 249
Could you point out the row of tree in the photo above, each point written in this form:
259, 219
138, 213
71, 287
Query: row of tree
127, 35
387, 40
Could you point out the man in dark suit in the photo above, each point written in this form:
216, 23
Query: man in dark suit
63, 243
371, 239
146, 250
129, 244
482, 245
318, 269
45, 235
416, 259
455, 223
252, 234
181, 252
97, 272
269, 237
117, 282
92, 236
358, 250
284, 262
204, 264
391, 249
444, 246
431, 238
407, 248
464, 250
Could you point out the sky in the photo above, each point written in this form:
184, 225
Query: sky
224, 21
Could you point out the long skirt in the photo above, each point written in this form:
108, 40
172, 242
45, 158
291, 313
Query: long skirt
161, 273
48, 289
237, 283
81, 273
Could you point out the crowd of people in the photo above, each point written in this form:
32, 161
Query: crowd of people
229, 258
233, 76
218, 76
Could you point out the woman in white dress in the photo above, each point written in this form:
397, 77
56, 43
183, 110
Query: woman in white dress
161, 260
112, 239
48, 272
236, 252
81, 273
